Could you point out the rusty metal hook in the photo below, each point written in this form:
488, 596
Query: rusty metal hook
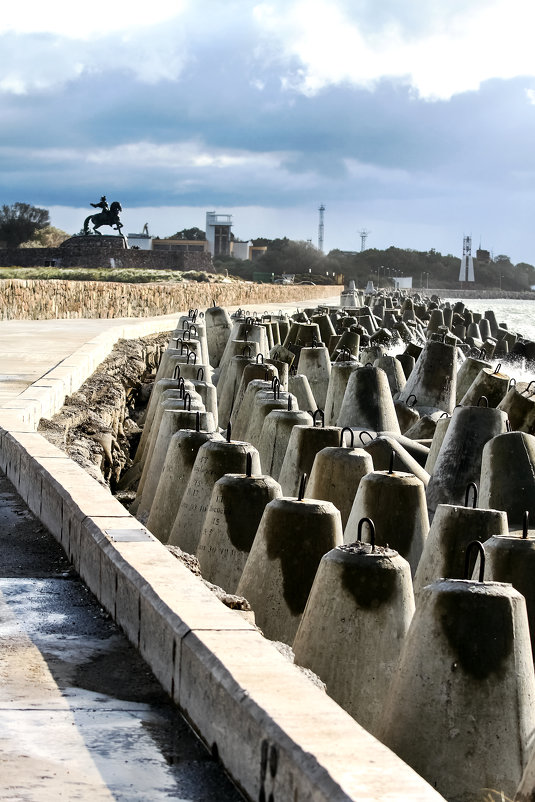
184, 345
193, 326
471, 486
497, 368
371, 527
248, 464
188, 332
302, 485
475, 544
321, 413
351, 434
409, 398
445, 415
483, 398
176, 371
187, 400
259, 359
365, 432
200, 373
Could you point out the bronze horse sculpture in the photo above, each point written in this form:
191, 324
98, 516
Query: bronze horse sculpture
108, 217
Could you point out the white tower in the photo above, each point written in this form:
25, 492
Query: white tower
363, 234
466, 272
321, 228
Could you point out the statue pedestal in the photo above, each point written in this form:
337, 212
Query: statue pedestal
94, 243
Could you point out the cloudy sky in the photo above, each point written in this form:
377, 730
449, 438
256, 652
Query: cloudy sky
413, 120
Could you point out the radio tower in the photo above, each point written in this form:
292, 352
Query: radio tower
321, 228
363, 234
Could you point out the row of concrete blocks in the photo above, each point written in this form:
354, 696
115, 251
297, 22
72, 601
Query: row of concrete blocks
275, 732
258, 580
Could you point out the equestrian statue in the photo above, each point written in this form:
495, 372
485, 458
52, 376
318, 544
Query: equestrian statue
109, 216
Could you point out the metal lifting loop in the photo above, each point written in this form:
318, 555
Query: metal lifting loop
351, 434
249, 321
290, 402
182, 382
485, 399
276, 392
274, 382
477, 546
181, 390
371, 527
527, 390
302, 485
497, 368
248, 464
391, 465
260, 359
248, 349
191, 327
525, 525
194, 355
188, 332
198, 422
365, 432
194, 315
187, 400
512, 383
190, 312
213, 302
368, 365
200, 374
321, 413
471, 486
445, 415
409, 398
229, 431
176, 371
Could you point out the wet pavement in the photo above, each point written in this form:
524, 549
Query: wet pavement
81, 715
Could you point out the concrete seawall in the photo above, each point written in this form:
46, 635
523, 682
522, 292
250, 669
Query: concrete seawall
32, 299
274, 731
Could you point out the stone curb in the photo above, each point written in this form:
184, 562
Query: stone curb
278, 736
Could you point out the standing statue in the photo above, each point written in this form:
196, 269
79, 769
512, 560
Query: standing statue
109, 216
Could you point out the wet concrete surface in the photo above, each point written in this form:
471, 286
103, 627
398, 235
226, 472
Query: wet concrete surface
81, 715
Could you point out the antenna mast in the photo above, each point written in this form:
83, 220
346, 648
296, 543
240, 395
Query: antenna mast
321, 228
363, 234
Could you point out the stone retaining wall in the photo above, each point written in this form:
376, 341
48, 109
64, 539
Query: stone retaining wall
28, 299
99, 257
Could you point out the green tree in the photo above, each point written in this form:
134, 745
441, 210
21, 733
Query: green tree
20, 223
48, 237
189, 234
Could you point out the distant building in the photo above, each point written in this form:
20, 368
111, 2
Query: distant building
180, 245
239, 249
218, 231
142, 242
483, 256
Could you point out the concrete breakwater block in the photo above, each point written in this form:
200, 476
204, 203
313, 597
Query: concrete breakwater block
265, 402
452, 530
159, 387
380, 449
214, 460
434, 378
315, 364
303, 445
461, 707
256, 370
511, 558
336, 474
218, 327
354, 624
275, 435
234, 513
492, 384
340, 373
242, 413
292, 537
367, 402
508, 476
459, 460
395, 502
173, 420
519, 406
467, 373
179, 460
